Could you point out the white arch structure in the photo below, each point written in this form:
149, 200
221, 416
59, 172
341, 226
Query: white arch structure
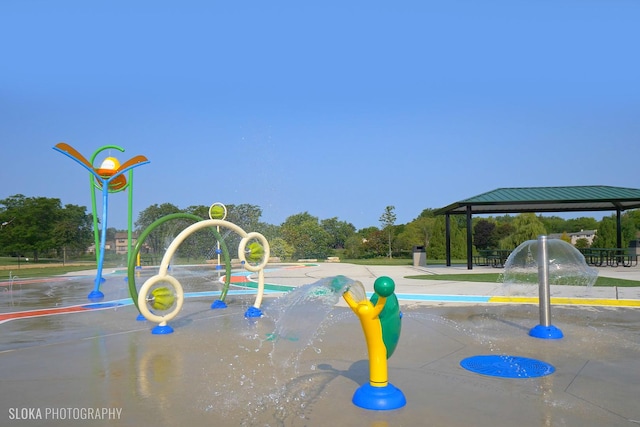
163, 275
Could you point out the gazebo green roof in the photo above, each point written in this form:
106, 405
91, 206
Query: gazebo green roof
541, 199
547, 199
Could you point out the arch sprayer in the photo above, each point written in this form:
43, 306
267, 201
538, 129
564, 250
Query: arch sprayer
159, 304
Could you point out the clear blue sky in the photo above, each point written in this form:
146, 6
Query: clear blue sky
336, 108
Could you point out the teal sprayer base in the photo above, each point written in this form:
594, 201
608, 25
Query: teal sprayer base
379, 398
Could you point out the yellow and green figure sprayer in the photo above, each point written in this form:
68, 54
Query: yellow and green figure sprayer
381, 320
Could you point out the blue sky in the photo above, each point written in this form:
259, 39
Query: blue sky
336, 108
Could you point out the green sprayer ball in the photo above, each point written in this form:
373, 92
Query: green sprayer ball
256, 252
217, 212
162, 298
384, 286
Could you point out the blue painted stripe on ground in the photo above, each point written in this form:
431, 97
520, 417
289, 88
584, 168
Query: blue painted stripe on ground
128, 301
233, 292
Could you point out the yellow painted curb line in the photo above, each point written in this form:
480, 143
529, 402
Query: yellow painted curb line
571, 301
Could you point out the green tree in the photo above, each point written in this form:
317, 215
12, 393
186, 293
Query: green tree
202, 243
269, 231
361, 244
555, 224
634, 217
437, 246
581, 223
501, 231
198, 210
32, 225
607, 232
245, 216
306, 236
280, 248
483, 235
73, 232
606, 237
582, 243
630, 224
374, 244
424, 224
416, 233
304, 233
526, 227
388, 220
340, 231
353, 247
162, 235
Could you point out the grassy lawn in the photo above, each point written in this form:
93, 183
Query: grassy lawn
48, 268
497, 278
396, 261
24, 273
9, 267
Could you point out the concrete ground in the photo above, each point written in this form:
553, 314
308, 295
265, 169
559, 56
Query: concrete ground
100, 366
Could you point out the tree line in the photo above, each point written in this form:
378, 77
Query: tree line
38, 226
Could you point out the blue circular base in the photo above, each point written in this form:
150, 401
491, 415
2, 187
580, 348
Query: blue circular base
140, 318
505, 366
218, 267
138, 267
162, 330
253, 312
379, 398
96, 296
218, 304
546, 332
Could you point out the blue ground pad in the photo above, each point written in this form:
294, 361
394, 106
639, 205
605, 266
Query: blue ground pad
507, 366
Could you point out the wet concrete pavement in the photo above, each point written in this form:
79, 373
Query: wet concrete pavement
219, 368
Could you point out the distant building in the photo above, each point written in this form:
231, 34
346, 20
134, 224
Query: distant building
119, 245
122, 239
107, 247
582, 234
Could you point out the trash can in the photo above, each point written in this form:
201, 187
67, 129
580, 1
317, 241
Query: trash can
419, 256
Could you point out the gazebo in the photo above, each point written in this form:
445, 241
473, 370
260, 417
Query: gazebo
540, 199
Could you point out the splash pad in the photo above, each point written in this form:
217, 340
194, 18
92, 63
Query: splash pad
219, 369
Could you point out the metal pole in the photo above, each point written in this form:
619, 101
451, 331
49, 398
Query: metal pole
543, 282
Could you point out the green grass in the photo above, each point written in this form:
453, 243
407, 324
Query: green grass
29, 270
378, 261
28, 273
395, 261
497, 278
45, 267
